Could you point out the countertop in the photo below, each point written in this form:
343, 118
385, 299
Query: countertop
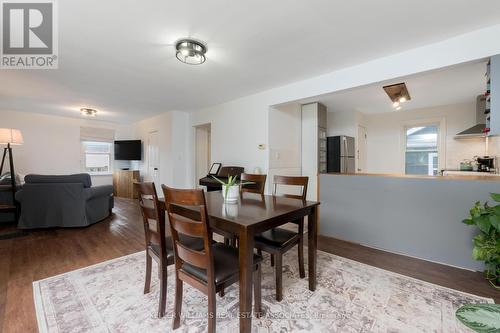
472, 176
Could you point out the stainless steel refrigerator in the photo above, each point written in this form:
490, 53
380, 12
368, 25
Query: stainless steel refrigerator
340, 154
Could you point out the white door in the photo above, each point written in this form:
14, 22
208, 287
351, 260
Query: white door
202, 154
361, 151
153, 159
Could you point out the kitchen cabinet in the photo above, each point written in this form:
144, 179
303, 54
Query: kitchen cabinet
313, 153
493, 75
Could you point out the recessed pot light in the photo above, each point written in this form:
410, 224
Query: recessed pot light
190, 51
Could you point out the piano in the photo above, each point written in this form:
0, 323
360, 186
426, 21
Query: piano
223, 174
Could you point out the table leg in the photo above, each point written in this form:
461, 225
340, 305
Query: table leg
246, 245
312, 241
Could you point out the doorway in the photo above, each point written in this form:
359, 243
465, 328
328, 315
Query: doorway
153, 156
202, 151
361, 152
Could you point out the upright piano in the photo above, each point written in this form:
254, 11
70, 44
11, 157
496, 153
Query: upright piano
223, 174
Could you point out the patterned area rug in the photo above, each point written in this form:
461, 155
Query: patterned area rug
351, 297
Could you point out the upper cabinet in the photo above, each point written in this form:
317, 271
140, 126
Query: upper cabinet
493, 95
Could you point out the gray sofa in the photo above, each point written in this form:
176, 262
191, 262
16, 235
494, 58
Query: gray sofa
63, 201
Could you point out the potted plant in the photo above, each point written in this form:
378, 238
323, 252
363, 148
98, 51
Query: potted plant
231, 188
487, 242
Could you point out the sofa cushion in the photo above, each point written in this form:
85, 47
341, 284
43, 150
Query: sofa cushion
83, 178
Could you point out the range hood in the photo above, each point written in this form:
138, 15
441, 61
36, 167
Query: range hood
478, 129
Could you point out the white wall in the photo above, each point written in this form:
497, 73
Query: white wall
240, 125
346, 123
385, 153
343, 123
174, 147
52, 143
284, 142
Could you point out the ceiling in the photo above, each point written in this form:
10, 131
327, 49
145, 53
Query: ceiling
117, 55
446, 86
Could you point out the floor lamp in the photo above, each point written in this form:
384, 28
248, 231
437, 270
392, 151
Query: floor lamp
10, 136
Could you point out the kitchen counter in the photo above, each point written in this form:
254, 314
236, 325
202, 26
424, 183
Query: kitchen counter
463, 175
418, 216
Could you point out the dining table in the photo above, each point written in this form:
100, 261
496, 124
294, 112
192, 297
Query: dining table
250, 215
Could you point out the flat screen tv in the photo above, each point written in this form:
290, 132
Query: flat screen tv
130, 150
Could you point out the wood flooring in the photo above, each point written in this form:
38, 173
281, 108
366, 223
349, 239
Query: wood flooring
44, 253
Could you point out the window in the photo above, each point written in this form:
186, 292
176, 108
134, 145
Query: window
421, 151
96, 157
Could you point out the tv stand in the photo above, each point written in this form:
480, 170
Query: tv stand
123, 183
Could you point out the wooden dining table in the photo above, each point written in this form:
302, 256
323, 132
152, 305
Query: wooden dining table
253, 214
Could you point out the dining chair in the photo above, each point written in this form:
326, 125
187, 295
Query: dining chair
209, 270
258, 183
158, 246
278, 241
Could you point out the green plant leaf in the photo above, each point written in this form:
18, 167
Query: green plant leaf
220, 181
495, 221
482, 318
483, 223
495, 196
478, 253
468, 221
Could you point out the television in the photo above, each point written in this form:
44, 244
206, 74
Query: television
130, 150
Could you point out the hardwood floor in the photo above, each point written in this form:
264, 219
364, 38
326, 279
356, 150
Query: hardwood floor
45, 253
446, 276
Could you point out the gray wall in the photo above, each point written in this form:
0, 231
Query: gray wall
416, 217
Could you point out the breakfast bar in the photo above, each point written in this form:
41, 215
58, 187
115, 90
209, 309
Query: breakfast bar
418, 216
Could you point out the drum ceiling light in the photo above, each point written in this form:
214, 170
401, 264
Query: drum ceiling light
190, 51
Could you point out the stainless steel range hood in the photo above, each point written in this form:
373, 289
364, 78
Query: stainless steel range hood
478, 129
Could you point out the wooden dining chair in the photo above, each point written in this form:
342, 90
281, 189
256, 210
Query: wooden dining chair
258, 183
278, 241
210, 270
158, 246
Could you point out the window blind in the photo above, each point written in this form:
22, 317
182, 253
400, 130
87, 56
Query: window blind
97, 134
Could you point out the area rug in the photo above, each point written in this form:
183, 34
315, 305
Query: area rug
350, 297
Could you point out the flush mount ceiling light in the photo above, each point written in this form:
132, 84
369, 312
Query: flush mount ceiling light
398, 93
88, 112
190, 51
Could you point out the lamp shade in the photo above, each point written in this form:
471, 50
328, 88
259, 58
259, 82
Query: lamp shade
11, 135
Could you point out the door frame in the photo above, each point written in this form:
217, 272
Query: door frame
208, 128
357, 147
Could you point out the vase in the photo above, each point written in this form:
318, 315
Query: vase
230, 194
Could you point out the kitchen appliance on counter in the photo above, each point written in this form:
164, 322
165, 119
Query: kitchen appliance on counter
340, 154
485, 163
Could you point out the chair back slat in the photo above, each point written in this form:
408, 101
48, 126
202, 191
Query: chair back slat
300, 181
152, 215
187, 213
195, 258
187, 226
149, 212
258, 180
